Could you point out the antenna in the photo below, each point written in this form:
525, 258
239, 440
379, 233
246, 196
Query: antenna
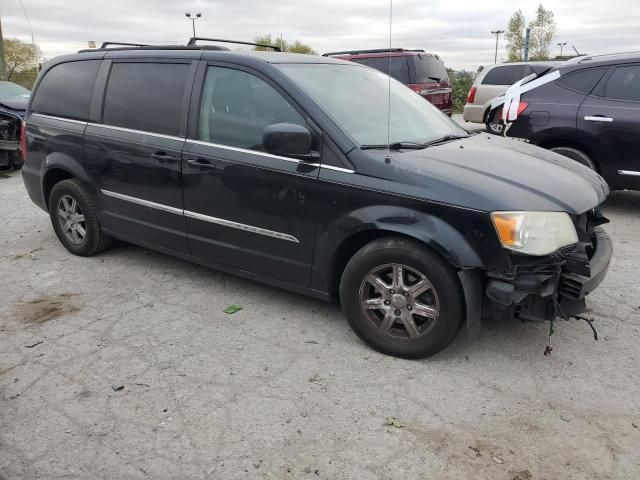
389, 86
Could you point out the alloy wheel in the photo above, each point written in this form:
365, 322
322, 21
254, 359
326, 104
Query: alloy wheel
71, 219
400, 301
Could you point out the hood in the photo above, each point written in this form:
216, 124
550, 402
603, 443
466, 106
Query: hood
17, 104
490, 173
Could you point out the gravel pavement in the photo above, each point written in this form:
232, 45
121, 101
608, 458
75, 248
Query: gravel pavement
124, 366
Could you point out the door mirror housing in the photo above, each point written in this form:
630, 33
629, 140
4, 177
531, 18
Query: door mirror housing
288, 140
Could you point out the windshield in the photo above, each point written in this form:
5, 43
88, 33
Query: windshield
356, 98
10, 90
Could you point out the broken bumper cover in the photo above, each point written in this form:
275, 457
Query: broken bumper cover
535, 293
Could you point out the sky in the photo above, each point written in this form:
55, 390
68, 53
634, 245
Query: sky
457, 30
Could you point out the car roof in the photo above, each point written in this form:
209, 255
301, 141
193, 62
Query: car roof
536, 62
198, 53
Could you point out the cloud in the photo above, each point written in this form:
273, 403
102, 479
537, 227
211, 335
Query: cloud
458, 31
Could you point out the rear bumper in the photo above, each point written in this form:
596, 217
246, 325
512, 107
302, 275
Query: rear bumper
532, 296
473, 113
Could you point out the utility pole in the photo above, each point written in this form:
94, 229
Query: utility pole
527, 36
497, 33
193, 19
561, 45
3, 65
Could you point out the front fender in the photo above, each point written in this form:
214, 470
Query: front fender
442, 237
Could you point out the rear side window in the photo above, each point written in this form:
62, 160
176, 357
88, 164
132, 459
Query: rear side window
399, 66
236, 107
146, 96
65, 90
429, 69
624, 84
582, 81
505, 75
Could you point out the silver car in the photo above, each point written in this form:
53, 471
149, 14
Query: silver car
493, 81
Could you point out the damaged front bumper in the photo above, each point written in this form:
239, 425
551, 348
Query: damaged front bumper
552, 287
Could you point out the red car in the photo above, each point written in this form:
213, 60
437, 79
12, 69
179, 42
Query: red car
422, 72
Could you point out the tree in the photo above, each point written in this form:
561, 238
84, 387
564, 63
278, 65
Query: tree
20, 56
295, 47
543, 29
515, 37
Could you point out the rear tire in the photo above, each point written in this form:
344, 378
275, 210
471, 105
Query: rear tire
74, 219
577, 155
414, 317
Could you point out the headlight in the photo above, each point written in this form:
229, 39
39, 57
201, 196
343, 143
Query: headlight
534, 233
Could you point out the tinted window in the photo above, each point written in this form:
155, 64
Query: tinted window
506, 75
236, 107
146, 96
66, 89
624, 84
399, 66
429, 68
583, 80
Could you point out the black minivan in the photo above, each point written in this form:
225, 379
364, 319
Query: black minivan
287, 169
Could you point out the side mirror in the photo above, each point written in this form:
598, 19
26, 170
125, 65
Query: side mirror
287, 139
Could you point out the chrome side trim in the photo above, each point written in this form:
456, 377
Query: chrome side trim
337, 169
267, 155
244, 150
633, 173
51, 117
241, 226
145, 203
204, 218
131, 130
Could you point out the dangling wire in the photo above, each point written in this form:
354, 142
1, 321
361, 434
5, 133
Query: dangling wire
389, 85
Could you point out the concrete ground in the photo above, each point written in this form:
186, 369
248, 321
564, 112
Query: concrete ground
124, 366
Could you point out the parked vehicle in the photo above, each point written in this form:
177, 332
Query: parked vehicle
424, 73
14, 98
590, 114
10, 133
492, 81
286, 169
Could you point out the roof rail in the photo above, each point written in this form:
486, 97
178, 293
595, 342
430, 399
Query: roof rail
106, 44
586, 58
374, 50
192, 42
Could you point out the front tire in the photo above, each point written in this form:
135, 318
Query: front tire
402, 299
74, 219
577, 155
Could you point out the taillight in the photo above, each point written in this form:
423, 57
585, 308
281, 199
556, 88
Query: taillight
522, 107
23, 141
416, 87
472, 95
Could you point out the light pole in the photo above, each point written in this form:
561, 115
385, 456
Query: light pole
193, 19
497, 34
561, 45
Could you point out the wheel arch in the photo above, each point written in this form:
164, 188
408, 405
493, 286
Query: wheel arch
59, 167
430, 231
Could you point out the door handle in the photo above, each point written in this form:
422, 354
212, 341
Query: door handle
163, 157
598, 118
201, 163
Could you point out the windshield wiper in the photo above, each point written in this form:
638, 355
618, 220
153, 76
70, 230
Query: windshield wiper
395, 146
446, 138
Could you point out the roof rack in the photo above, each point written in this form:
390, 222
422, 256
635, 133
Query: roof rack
191, 45
106, 44
374, 50
192, 42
